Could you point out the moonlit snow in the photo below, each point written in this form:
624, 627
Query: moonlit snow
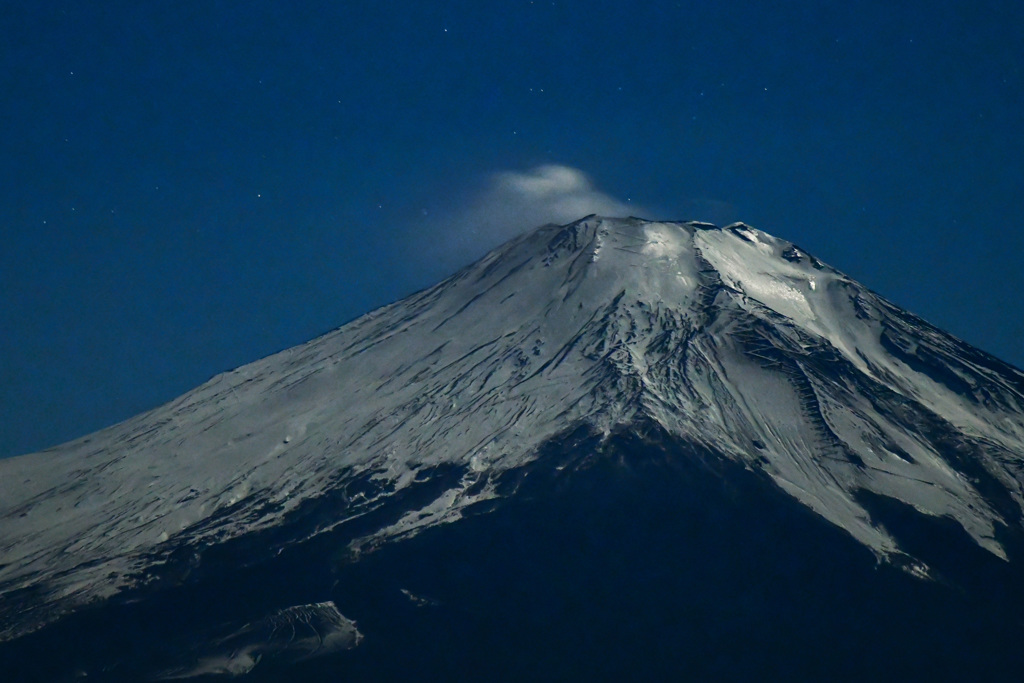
729, 339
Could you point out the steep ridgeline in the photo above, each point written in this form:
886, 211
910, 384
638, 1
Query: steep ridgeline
730, 341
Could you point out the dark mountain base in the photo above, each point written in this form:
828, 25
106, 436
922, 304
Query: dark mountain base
639, 560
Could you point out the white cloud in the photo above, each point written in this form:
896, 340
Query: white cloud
513, 202
545, 194
544, 181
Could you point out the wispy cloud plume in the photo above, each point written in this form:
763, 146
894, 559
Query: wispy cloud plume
513, 202
520, 200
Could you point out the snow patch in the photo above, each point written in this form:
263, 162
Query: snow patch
293, 634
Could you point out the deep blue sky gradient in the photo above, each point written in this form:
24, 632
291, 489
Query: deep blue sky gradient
189, 186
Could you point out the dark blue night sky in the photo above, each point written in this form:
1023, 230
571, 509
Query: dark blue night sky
189, 186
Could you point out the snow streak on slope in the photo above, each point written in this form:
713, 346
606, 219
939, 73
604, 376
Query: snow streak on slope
729, 338
294, 634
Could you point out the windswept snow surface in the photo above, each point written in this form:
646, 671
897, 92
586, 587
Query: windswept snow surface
731, 339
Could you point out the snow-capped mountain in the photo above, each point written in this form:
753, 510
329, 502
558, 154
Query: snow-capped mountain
727, 347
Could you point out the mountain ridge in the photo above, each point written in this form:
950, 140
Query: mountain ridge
728, 338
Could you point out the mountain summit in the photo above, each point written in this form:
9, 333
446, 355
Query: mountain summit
603, 346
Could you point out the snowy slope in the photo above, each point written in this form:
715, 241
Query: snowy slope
730, 339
